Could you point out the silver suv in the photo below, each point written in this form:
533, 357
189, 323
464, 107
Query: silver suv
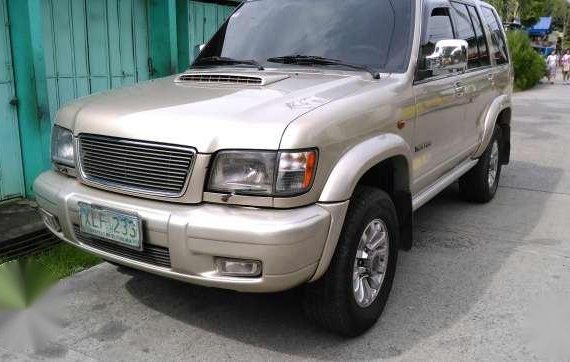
293, 151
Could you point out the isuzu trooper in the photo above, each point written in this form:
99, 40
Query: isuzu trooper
293, 152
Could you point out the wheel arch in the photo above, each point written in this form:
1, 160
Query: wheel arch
363, 160
383, 162
499, 113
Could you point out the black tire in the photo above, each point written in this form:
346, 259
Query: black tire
475, 185
331, 301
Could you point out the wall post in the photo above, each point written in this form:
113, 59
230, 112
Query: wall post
183, 34
25, 17
163, 44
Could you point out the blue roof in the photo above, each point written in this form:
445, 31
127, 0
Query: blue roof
542, 27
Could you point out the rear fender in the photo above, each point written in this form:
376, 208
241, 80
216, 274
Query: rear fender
499, 104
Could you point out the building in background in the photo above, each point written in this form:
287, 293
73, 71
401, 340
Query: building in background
54, 51
541, 36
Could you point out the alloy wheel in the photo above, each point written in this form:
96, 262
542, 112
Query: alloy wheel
371, 263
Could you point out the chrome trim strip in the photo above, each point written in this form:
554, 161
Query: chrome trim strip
431, 191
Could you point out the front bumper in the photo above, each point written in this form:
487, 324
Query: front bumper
289, 243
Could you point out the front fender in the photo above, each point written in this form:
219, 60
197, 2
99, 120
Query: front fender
358, 160
499, 104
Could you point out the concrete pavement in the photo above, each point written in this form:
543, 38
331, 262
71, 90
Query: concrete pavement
485, 282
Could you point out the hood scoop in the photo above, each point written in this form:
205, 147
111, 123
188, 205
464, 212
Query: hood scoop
229, 78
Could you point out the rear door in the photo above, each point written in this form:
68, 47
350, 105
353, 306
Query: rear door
499, 51
478, 79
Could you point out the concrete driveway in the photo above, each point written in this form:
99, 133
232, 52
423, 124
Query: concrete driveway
482, 282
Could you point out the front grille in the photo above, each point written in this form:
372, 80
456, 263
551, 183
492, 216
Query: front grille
220, 78
145, 167
151, 254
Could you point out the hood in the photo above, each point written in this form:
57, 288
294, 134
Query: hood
208, 113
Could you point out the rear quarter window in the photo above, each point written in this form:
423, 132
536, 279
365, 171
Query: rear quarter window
498, 43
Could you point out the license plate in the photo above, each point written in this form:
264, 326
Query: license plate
120, 227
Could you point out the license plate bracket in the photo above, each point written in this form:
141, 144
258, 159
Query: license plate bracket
116, 226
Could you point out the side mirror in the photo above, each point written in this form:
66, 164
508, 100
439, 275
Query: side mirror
198, 49
449, 56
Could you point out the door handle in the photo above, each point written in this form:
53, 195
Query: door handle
491, 78
459, 89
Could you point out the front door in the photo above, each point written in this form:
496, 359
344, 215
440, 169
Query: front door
439, 132
11, 175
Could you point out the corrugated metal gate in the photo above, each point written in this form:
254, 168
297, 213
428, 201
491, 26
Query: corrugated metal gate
205, 19
93, 45
11, 176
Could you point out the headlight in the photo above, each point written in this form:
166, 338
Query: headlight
263, 173
62, 146
243, 173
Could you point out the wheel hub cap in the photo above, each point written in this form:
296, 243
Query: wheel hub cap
493, 164
371, 263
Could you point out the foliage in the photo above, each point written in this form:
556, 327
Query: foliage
528, 65
23, 281
65, 260
530, 10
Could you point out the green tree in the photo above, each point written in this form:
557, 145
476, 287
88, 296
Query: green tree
531, 10
528, 65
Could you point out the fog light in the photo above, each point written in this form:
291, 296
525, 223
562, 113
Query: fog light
50, 220
238, 268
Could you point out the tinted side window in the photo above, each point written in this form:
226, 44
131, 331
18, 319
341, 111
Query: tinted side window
481, 41
464, 30
499, 45
438, 28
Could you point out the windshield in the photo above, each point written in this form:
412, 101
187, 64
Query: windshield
375, 34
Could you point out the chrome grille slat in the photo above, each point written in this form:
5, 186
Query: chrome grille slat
135, 166
127, 159
131, 166
145, 178
140, 152
138, 146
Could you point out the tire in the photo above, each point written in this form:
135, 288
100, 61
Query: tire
476, 185
331, 301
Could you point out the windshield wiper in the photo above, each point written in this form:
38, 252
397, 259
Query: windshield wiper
316, 60
225, 60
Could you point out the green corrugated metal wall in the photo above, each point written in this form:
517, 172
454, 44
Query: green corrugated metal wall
65, 49
205, 18
93, 45
11, 177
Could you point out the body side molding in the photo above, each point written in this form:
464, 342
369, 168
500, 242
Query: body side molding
434, 189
